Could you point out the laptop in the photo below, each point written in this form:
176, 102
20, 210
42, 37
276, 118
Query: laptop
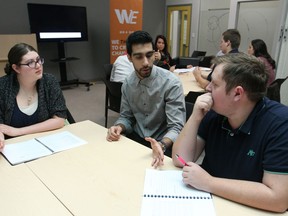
198, 53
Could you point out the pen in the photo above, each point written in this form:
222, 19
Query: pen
181, 160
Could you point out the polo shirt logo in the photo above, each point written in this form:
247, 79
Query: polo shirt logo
251, 153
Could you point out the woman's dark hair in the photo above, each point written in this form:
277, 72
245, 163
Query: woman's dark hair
15, 55
165, 50
260, 50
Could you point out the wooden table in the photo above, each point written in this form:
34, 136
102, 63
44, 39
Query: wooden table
189, 83
22, 193
105, 178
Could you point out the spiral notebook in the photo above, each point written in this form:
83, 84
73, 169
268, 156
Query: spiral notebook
166, 194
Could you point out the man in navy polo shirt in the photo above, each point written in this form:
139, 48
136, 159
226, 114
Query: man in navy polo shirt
244, 135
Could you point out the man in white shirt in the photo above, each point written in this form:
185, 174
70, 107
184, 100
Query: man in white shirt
122, 68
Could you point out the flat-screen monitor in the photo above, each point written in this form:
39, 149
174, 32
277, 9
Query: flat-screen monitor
58, 23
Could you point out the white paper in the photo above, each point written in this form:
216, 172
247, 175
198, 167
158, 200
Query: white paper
39, 147
166, 194
184, 70
25, 151
61, 141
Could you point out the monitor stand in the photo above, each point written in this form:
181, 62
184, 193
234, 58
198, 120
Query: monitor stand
62, 66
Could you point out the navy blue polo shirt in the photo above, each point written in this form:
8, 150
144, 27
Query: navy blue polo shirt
259, 144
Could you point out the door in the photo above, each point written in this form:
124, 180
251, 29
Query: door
178, 30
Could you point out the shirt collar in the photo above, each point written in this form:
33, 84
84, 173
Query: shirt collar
246, 127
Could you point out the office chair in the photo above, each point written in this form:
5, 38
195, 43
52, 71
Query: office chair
189, 109
189, 61
190, 100
191, 97
197, 53
113, 92
273, 90
205, 61
70, 118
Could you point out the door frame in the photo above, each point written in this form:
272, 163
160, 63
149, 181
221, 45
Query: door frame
186, 10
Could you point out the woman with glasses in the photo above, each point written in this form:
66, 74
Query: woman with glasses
30, 101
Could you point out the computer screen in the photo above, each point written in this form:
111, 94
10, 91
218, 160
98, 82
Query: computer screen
58, 23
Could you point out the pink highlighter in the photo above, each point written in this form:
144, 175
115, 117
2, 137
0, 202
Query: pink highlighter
181, 160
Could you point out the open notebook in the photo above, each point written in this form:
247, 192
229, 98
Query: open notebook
166, 194
39, 147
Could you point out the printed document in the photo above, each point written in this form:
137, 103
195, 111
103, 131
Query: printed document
39, 147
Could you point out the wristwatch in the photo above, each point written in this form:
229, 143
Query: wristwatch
163, 146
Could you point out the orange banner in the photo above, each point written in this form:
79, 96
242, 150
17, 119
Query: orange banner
125, 18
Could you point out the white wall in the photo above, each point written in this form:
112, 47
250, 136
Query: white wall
198, 6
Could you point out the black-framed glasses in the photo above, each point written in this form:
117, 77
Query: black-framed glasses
33, 64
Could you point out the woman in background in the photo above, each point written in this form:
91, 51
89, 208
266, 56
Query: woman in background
30, 101
162, 56
258, 48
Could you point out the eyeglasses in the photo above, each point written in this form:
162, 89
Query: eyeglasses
33, 64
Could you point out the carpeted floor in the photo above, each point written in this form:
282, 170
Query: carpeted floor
88, 105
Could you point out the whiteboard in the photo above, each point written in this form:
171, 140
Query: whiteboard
258, 20
212, 24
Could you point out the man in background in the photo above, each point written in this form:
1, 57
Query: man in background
230, 42
122, 68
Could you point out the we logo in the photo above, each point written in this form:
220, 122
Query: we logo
124, 16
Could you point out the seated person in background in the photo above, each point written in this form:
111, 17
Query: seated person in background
244, 135
162, 56
258, 48
229, 43
30, 101
152, 106
122, 68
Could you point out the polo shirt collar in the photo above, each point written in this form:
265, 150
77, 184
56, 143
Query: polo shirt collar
246, 127
234, 50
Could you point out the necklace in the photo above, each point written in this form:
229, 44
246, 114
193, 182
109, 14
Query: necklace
29, 97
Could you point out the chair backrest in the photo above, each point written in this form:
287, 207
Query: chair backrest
113, 89
197, 53
189, 109
107, 71
189, 61
70, 118
205, 61
191, 97
273, 90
